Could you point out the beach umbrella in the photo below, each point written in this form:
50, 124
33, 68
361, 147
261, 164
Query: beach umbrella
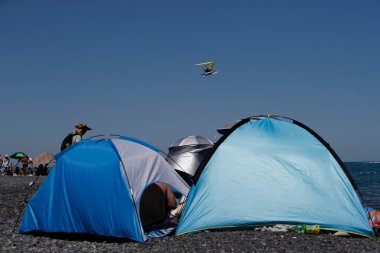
43, 158
186, 154
191, 140
18, 155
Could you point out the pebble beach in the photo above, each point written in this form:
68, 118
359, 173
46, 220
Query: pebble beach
13, 191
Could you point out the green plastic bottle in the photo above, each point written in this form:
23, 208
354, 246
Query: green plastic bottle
312, 229
299, 229
306, 229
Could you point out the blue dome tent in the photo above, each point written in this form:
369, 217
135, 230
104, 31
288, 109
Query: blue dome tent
268, 170
95, 188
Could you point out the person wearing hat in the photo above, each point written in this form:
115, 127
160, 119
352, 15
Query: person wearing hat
80, 130
75, 136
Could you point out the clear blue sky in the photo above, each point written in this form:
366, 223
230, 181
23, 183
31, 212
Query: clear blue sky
127, 67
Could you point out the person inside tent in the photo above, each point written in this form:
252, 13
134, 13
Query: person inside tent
176, 213
156, 202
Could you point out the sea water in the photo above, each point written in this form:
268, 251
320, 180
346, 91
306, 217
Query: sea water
367, 177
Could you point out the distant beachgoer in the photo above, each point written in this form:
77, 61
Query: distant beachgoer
6, 161
42, 170
75, 136
25, 165
6, 166
15, 170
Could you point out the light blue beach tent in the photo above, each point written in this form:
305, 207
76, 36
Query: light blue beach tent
270, 170
95, 187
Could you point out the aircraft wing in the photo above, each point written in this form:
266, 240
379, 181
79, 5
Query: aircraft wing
209, 64
205, 63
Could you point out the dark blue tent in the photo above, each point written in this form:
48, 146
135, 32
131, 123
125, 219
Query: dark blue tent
95, 187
